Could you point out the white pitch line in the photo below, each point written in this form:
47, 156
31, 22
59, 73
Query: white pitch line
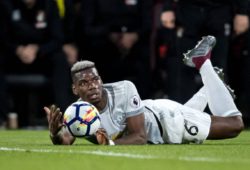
200, 159
117, 154
102, 153
212, 159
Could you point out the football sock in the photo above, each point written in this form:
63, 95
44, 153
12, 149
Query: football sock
198, 100
220, 101
198, 61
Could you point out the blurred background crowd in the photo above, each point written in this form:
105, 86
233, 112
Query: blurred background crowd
138, 40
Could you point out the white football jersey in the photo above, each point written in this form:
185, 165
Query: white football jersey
123, 102
166, 121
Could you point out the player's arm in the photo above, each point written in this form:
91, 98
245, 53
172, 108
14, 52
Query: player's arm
136, 134
58, 134
136, 131
135, 123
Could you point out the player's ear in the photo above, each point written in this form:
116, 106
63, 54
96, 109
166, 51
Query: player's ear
75, 91
101, 80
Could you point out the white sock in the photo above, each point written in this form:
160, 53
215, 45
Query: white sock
198, 100
220, 101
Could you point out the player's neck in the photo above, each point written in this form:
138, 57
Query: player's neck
103, 102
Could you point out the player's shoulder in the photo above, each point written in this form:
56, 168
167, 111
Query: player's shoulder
120, 85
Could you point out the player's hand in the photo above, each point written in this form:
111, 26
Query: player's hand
102, 137
55, 119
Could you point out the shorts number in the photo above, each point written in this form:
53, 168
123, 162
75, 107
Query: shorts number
192, 130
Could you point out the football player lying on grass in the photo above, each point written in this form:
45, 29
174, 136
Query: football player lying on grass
154, 121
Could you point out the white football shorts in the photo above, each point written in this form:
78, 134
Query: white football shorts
183, 124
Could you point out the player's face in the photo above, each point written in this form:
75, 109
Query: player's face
88, 85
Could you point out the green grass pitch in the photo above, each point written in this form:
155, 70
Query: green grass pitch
32, 150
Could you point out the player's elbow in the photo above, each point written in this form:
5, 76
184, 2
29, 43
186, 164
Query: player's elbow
62, 142
63, 139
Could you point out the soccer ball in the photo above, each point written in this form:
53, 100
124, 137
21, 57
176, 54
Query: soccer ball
82, 119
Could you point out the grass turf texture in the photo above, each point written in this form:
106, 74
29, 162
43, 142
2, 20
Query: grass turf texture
32, 150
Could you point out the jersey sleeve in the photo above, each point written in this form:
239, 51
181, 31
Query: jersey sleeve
134, 105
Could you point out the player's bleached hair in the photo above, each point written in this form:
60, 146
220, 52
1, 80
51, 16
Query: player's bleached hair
81, 65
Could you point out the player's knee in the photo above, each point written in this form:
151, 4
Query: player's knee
238, 126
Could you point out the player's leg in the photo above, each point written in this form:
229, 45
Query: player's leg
225, 127
227, 121
220, 100
199, 100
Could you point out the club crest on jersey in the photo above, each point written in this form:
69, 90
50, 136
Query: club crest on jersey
135, 101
